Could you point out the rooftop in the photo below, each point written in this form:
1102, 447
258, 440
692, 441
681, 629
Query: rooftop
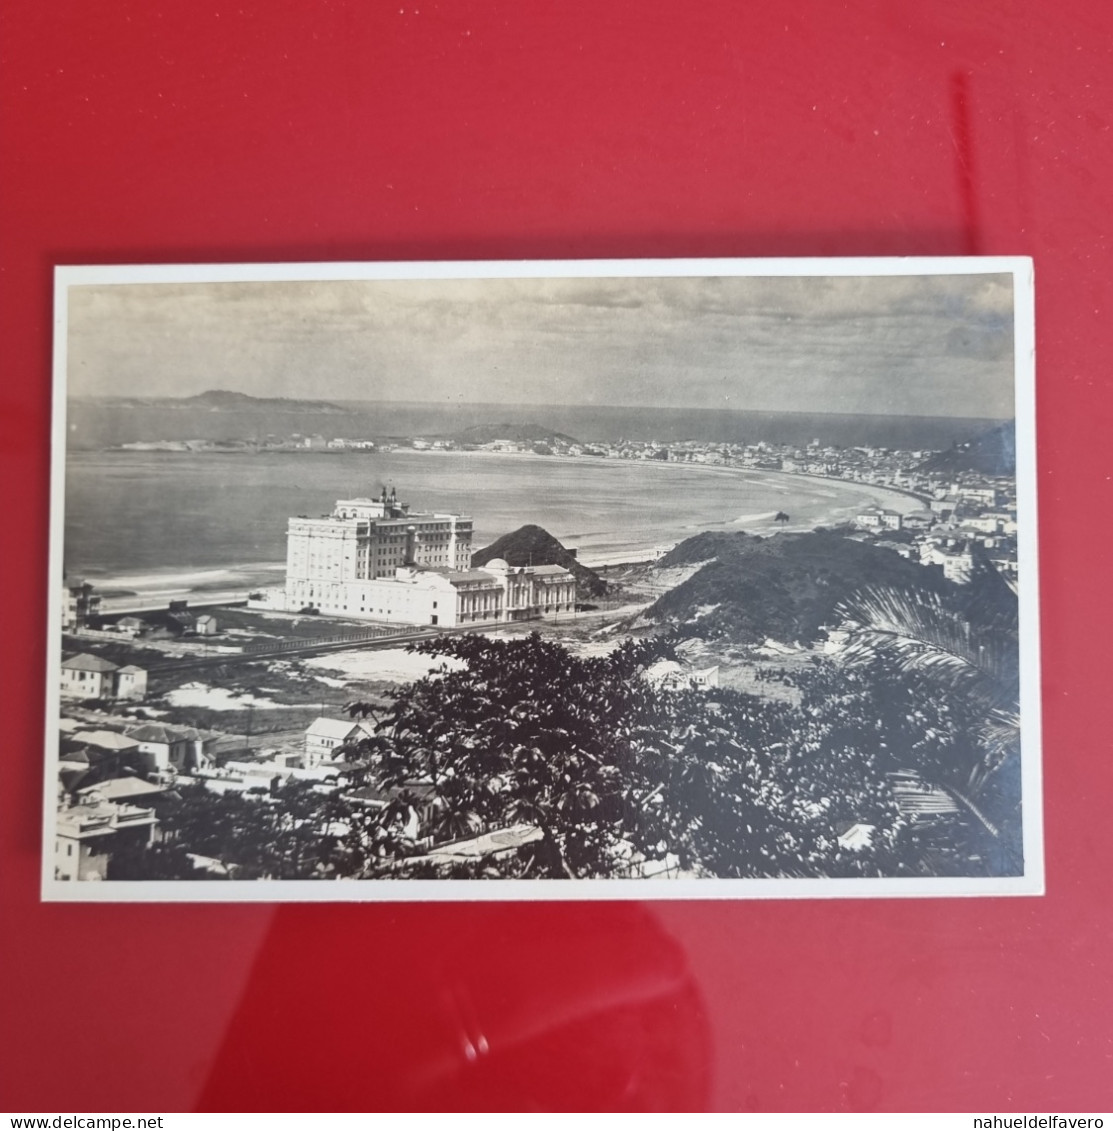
123, 789
463, 576
84, 662
95, 816
334, 728
105, 739
158, 732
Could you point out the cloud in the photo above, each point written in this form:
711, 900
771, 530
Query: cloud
936, 344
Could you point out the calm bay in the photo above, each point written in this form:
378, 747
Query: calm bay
133, 514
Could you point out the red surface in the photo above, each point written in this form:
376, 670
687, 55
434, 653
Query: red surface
306, 129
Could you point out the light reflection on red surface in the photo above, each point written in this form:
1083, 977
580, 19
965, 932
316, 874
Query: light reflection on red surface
484, 1008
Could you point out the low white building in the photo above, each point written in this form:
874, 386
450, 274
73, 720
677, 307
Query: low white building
493, 594
86, 834
668, 675
879, 519
131, 682
163, 748
86, 676
89, 677
956, 560
325, 736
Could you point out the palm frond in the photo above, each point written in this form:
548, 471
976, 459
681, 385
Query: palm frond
927, 634
922, 631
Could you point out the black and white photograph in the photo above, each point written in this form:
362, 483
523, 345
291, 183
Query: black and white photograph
564, 580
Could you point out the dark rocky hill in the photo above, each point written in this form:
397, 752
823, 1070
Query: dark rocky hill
532, 545
707, 546
784, 587
991, 453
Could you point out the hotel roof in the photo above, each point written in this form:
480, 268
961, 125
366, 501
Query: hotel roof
459, 576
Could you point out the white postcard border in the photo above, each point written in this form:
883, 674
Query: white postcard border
1031, 883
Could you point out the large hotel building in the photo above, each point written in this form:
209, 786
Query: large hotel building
374, 559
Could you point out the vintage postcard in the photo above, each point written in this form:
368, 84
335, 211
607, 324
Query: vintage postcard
563, 580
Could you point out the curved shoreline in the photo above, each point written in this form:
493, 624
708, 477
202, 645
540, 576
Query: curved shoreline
891, 498
625, 547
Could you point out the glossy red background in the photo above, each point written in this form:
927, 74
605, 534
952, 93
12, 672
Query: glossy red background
147, 131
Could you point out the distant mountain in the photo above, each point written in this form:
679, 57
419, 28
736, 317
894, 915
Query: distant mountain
991, 453
223, 400
528, 433
531, 545
784, 587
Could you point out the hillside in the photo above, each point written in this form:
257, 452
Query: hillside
991, 453
531, 545
784, 587
707, 546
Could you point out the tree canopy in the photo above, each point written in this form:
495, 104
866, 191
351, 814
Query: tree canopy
611, 774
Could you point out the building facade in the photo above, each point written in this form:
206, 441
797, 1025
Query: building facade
325, 736
88, 831
367, 539
90, 677
79, 604
377, 560
164, 748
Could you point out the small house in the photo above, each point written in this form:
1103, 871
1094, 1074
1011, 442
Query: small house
131, 683
325, 736
89, 677
163, 748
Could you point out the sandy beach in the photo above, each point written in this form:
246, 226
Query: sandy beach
825, 502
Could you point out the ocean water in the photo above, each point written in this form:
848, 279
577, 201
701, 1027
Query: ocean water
138, 512
96, 424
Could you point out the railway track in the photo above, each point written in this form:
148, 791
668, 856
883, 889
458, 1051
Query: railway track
290, 648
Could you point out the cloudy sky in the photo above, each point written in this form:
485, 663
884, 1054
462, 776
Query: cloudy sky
937, 345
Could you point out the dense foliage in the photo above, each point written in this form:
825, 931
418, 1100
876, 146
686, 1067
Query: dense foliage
612, 773
785, 587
